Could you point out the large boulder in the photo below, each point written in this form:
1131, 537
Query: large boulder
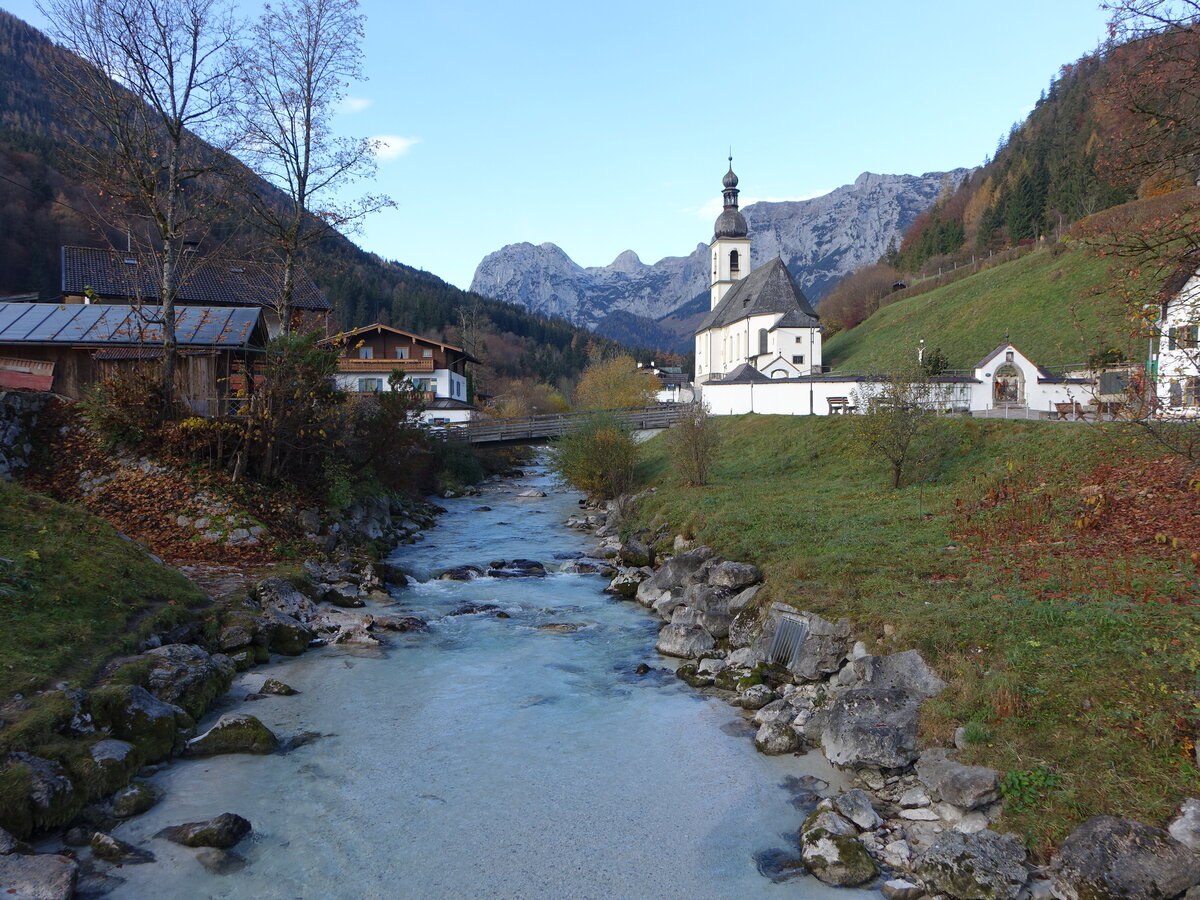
830, 847
134, 799
967, 787
824, 648
774, 738
344, 594
275, 593
900, 671
856, 806
673, 576
188, 676
742, 599
980, 866
636, 554
234, 733
625, 582
733, 577
43, 876
684, 641
133, 714
876, 728
37, 793
222, 832
1107, 858
108, 764
284, 633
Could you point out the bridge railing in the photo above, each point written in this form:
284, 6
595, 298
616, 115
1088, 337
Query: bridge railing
481, 431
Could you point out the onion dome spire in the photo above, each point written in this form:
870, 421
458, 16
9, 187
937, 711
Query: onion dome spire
730, 223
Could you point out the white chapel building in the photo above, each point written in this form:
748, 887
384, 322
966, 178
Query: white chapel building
759, 319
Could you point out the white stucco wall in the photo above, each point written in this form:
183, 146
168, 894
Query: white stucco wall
1183, 362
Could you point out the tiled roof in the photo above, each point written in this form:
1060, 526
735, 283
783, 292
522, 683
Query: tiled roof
744, 374
102, 323
768, 290
204, 280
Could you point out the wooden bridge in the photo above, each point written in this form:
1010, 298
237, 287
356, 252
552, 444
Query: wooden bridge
536, 429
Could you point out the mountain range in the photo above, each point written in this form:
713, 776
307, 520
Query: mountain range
659, 304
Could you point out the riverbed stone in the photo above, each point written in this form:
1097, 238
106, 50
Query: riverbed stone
684, 641
41, 876
1185, 827
742, 599
966, 787
625, 582
868, 727
733, 576
754, 697
635, 553
856, 806
461, 573
901, 889
275, 593
905, 671
1107, 858
8, 843
133, 714
673, 576
277, 688
830, 847
221, 832
392, 574
188, 676
234, 733
343, 594
774, 738
220, 862
49, 800
981, 866
114, 850
284, 633
134, 799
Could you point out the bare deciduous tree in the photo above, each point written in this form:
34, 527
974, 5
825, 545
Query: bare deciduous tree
152, 80
300, 60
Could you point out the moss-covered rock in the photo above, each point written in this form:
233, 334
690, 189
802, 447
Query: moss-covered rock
100, 767
114, 850
133, 714
833, 852
134, 799
188, 676
15, 784
222, 832
234, 733
35, 794
693, 676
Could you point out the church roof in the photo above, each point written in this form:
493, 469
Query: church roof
768, 290
743, 374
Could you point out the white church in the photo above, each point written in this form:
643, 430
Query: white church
759, 349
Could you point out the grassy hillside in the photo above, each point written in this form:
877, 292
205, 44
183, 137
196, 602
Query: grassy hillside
73, 591
1029, 572
1047, 303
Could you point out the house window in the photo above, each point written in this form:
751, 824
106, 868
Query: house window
798, 360
799, 340
1008, 356
370, 384
427, 354
1187, 337
733, 260
762, 340
401, 353
1191, 392
366, 353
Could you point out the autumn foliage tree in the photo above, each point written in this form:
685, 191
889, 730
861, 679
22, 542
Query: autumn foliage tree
616, 383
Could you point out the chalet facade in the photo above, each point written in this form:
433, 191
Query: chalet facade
91, 274
65, 348
370, 355
1176, 363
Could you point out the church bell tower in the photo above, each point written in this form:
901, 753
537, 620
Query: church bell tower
730, 244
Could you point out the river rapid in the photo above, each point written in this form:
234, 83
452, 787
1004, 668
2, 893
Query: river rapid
488, 756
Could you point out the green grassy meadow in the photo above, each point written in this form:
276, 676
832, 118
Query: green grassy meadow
1050, 303
73, 592
1071, 671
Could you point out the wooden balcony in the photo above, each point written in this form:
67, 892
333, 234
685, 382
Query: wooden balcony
353, 364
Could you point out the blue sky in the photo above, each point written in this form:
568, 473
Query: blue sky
605, 126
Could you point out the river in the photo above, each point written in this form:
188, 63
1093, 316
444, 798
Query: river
488, 757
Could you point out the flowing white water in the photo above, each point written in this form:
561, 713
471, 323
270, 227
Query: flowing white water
486, 757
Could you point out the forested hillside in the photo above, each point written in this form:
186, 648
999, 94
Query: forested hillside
44, 205
1048, 172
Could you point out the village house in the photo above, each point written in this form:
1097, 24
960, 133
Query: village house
103, 275
64, 348
1176, 347
369, 356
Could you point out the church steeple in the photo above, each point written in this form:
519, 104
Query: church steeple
730, 244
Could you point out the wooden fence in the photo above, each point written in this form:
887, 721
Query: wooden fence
539, 428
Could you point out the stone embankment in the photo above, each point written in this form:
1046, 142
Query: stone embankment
81, 770
18, 413
916, 822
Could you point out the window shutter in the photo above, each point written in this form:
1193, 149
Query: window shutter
1171, 334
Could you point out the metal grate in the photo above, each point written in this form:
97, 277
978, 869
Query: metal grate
788, 639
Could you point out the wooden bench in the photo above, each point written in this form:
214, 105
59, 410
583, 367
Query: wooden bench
1068, 412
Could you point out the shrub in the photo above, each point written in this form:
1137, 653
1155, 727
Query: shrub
598, 457
124, 407
694, 440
